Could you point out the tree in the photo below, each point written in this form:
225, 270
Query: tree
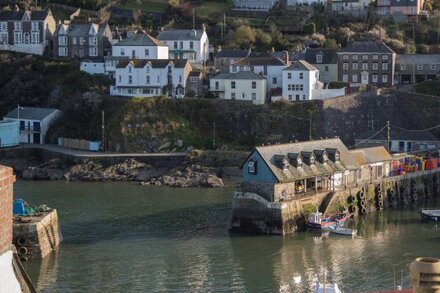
174, 3
435, 20
262, 39
245, 35
310, 28
343, 35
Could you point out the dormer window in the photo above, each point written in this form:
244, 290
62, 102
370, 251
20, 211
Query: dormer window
299, 163
324, 159
281, 162
312, 160
319, 58
252, 167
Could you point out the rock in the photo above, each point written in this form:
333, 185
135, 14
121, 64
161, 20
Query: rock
192, 176
36, 173
179, 143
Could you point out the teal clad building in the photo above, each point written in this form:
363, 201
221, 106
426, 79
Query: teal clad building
8, 133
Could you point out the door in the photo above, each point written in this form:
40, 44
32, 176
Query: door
364, 77
36, 137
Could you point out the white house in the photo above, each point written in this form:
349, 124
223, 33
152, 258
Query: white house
34, 122
140, 46
186, 44
300, 79
242, 85
265, 65
148, 78
253, 5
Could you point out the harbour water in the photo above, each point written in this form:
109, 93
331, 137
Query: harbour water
123, 237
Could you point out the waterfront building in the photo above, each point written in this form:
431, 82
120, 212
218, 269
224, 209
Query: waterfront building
33, 122
140, 46
148, 78
242, 85
26, 31
415, 68
192, 45
82, 39
8, 133
366, 62
375, 163
400, 140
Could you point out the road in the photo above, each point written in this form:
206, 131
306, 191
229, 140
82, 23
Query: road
89, 154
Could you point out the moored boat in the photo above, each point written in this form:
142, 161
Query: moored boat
318, 221
328, 288
430, 214
342, 231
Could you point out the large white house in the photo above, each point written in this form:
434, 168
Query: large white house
186, 44
242, 85
300, 79
148, 78
140, 46
34, 122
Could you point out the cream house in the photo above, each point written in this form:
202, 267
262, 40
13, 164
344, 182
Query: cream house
242, 85
140, 46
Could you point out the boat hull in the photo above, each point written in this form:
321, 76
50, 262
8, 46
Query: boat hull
430, 218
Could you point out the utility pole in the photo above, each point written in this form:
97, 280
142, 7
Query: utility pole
103, 130
388, 136
18, 121
214, 136
194, 19
310, 125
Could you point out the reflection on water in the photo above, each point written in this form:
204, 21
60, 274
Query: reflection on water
130, 238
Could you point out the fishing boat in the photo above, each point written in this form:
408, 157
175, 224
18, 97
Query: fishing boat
328, 288
318, 221
342, 231
430, 215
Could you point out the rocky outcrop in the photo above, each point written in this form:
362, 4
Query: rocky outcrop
51, 170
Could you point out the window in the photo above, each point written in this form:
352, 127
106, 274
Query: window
364, 66
355, 66
274, 80
355, 57
345, 57
402, 66
419, 66
158, 78
130, 79
375, 66
345, 66
62, 40
232, 84
180, 78
234, 68
289, 87
384, 66
345, 77
74, 41
147, 52
385, 78
319, 58
122, 52
193, 79
3, 38
326, 68
22, 125
175, 45
148, 79
3, 26
62, 51
301, 87
191, 45
254, 96
92, 41
401, 146
18, 38
375, 57
374, 77
181, 45
93, 51
129, 69
35, 37
364, 57
297, 97
232, 96
301, 75
289, 75
216, 85
354, 78
254, 85
34, 26
252, 167
120, 78
17, 26
384, 57
409, 146
433, 67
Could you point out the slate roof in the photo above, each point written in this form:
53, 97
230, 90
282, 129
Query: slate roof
232, 54
155, 63
329, 56
274, 153
18, 15
180, 35
301, 65
398, 134
238, 75
296, 56
371, 155
260, 61
140, 39
366, 47
31, 113
77, 29
418, 59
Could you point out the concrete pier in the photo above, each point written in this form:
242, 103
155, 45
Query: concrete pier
36, 236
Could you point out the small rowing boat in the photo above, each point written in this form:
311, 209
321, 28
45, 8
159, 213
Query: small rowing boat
430, 215
342, 231
318, 221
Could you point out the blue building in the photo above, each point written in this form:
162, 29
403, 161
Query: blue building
8, 133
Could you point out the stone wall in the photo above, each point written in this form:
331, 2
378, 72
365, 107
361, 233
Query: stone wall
7, 179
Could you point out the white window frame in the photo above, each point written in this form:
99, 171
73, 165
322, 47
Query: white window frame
419, 67
384, 78
433, 66
35, 37
355, 66
345, 77
374, 78
34, 25
375, 66
365, 66
384, 66
3, 26
402, 66
345, 66
354, 78
318, 58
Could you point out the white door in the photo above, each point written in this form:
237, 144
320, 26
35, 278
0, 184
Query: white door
364, 77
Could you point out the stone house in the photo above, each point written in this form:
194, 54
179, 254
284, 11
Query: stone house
415, 68
79, 39
140, 46
26, 31
375, 163
224, 58
242, 85
366, 62
287, 171
325, 60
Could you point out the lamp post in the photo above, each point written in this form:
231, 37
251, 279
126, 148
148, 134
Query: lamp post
18, 122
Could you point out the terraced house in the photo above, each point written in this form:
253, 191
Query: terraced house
26, 31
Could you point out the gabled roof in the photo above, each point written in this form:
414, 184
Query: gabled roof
399, 134
260, 59
366, 47
31, 113
270, 153
180, 35
329, 55
140, 39
250, 75
371, 155
232, 54
155, 63
78, 29
300, 65
18, 15
418, 59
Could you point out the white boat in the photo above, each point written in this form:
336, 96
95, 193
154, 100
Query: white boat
430, 214
342, 231
329, 288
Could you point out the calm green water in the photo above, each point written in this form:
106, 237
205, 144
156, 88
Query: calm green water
122, 237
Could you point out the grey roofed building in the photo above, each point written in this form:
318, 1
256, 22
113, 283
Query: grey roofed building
232, 54
176, 35
366, 47
238, 75
329, 55
18, 15
301, 65
257, 60
371, 155
155, 63
272, 154
140, 39
31, 113
418, 58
